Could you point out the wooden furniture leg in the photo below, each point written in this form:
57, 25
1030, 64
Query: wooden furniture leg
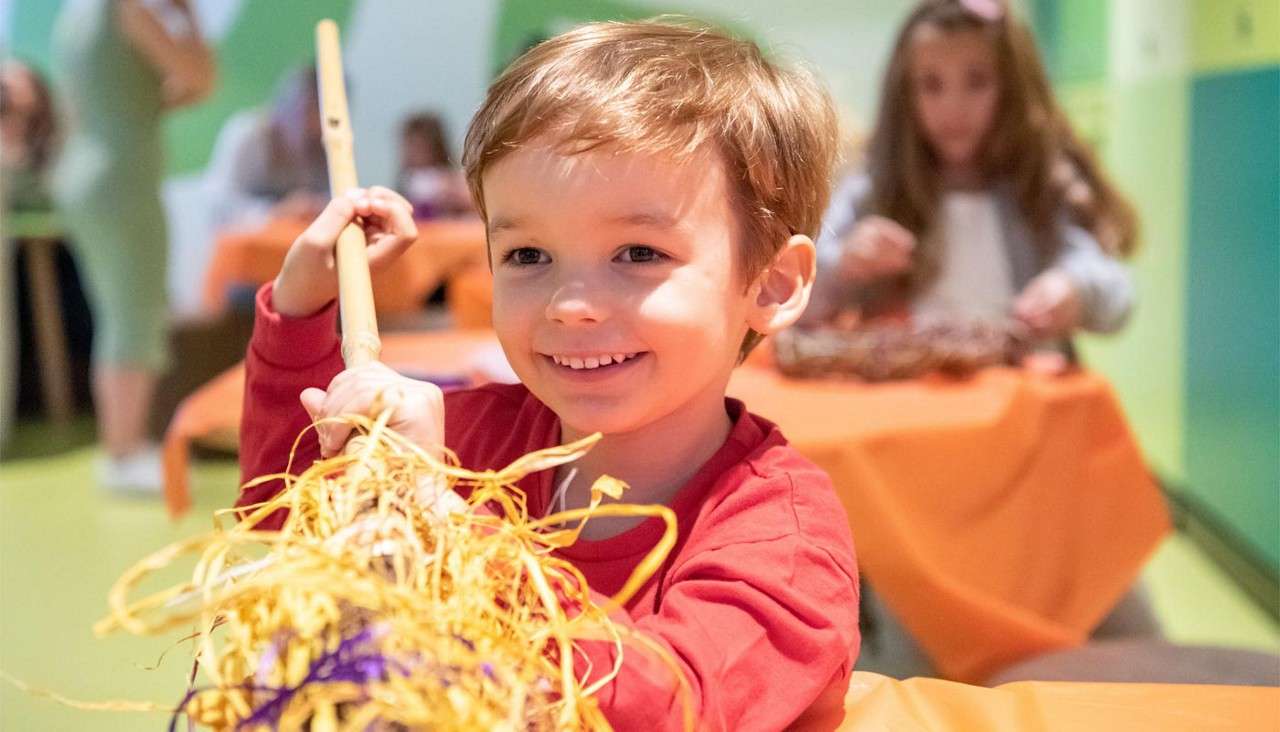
50, 336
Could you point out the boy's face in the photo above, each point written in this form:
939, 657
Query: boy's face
616, 292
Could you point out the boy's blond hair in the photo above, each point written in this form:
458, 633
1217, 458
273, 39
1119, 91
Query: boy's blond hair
673, 87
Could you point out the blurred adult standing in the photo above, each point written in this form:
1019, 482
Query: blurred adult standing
119, 65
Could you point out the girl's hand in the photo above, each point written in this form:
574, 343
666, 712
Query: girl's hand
1049, 305
877, 247
308, 280
417, 407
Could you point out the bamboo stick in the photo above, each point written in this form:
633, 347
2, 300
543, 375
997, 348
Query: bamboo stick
360, 343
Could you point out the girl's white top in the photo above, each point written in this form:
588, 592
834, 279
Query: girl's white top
975, 278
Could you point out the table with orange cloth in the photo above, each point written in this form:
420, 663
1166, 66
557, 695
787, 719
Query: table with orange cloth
1000, 516
875, 702
252, 257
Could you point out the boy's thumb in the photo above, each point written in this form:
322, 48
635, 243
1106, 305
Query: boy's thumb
312, 400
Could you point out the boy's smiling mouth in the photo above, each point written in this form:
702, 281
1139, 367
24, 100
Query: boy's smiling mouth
582, 362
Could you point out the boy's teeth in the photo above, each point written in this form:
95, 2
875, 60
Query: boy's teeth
591, 362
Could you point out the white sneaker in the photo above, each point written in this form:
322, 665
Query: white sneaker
140, 473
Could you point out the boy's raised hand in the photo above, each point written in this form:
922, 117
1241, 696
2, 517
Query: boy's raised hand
877, 247
308, 280
417, 407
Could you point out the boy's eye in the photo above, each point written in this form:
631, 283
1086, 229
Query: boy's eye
640, 254
526, 255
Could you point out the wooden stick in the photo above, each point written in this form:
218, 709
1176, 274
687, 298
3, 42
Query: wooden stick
360, 343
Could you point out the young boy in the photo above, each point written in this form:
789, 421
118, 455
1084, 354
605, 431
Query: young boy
650, 191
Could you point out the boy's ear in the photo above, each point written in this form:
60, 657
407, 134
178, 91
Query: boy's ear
779, 295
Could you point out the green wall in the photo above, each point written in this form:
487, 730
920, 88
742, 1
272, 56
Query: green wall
266, 39
1186, 113
1233, 303
265, 42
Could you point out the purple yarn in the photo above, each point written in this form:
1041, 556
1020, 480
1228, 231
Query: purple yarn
344, 663
349, 662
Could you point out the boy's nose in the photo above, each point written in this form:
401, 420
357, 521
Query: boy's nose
577, 302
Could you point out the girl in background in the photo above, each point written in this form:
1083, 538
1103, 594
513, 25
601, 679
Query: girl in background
978, 200
120, 66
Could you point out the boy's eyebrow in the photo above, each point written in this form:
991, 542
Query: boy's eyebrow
502, 223
649, 218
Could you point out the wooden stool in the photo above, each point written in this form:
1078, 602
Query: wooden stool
38, 235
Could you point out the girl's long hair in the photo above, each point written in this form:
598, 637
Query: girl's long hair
1031, 146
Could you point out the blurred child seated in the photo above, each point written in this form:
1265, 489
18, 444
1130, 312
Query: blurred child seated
270, 163
428, 178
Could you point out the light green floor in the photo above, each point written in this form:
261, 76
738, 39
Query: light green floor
63, 543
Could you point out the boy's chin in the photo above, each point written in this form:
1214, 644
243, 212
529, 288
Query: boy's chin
583, 417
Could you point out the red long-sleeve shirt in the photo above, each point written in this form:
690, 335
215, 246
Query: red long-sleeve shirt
758, 601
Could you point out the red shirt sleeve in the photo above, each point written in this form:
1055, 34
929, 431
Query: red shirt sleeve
765, 633
286, 355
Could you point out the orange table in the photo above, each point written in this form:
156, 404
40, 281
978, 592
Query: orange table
254, 257
930, 705
470, 297
1000, 516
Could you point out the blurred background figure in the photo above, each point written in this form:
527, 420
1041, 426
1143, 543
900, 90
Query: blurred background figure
978, 200
269, 163
26, 144
120, 66
26, 137
428, 176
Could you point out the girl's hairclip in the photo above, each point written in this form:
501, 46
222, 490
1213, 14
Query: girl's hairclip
989, 10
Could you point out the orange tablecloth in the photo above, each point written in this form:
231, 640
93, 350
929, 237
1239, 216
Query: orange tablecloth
470, 297
875, 702
254, 257
1000, 516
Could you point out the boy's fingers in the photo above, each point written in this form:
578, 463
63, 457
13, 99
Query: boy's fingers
396, 210
338, 434
361, 201
331, 221
383, 193
312, 400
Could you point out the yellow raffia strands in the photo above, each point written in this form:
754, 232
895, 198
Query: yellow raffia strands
464, 609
